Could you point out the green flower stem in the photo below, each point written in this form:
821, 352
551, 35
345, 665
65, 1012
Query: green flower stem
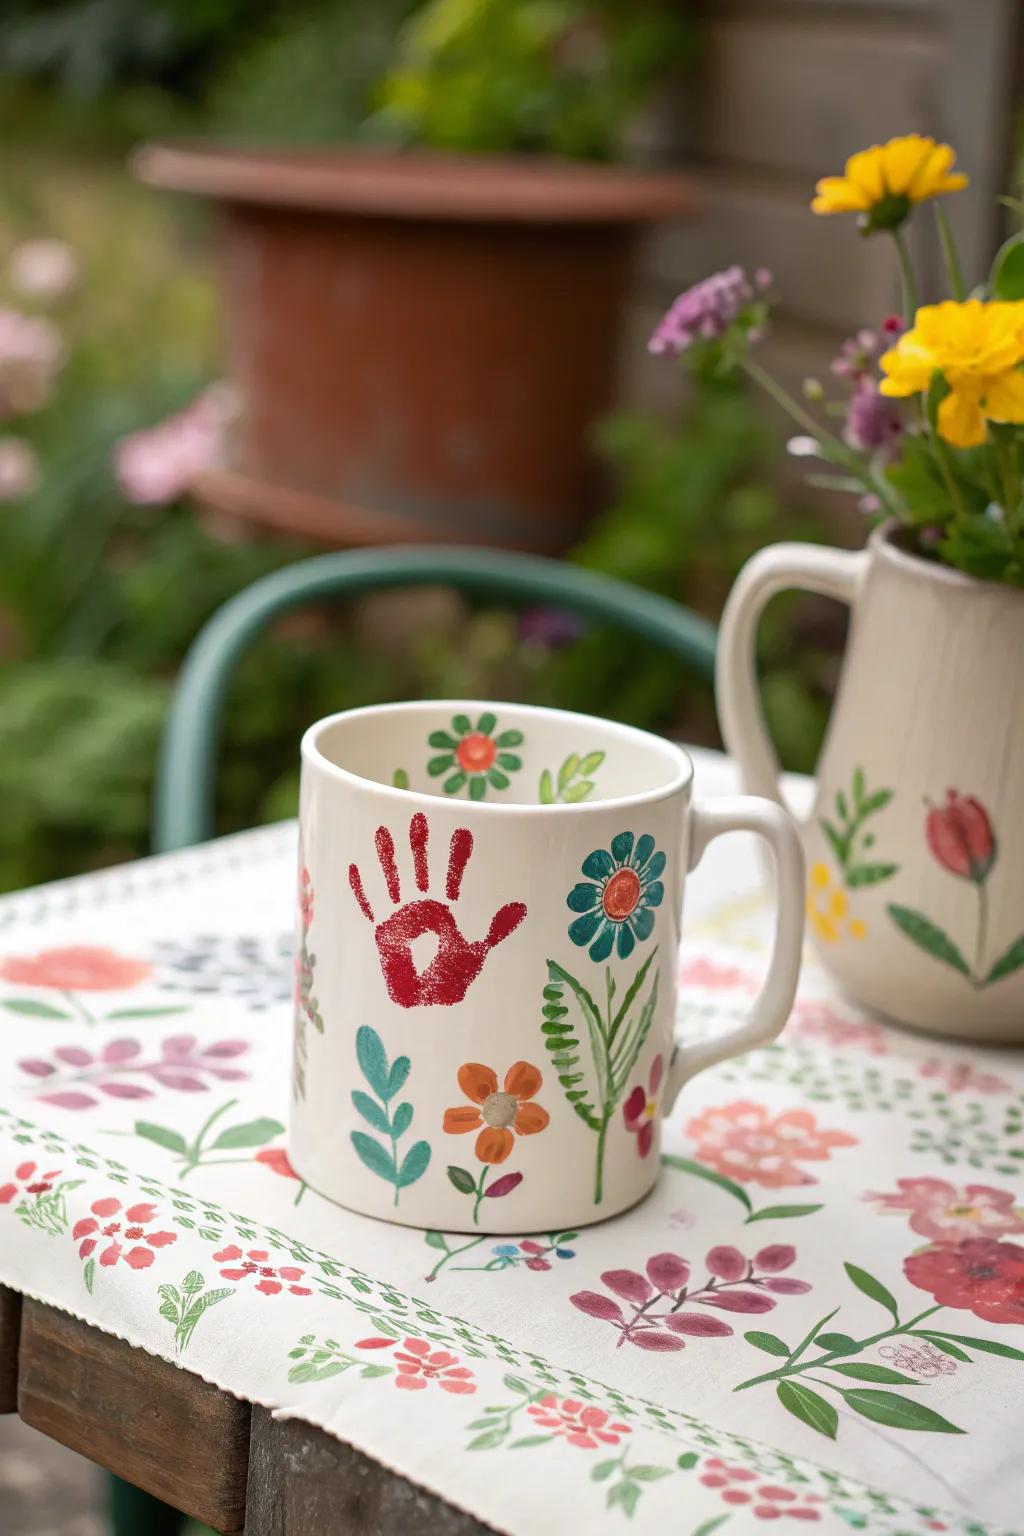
479, 1192
794, 1368
453, 1253
907, 275
194, 1155
978, 972
79, 1007
599, 1176
949, 251
1005, 457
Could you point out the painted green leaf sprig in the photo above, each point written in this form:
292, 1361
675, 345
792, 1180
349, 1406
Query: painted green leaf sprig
848, 836
185, 1306
573, 782
387, 1081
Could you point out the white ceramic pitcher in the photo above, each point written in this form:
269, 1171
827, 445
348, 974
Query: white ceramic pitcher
915, 843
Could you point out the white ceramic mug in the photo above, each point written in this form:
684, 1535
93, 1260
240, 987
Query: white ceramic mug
490, 899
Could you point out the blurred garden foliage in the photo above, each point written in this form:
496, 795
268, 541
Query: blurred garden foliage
100, 596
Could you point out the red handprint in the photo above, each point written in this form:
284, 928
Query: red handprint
457, 963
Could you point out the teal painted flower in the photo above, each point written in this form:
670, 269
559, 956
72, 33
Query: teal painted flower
618, 898
475, 754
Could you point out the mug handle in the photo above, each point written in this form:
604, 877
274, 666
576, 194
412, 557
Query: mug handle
808, 567
750, 813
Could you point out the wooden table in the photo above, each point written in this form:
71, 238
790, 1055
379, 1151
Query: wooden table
216, 1458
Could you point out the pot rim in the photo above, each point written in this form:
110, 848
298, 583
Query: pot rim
417, 184
883, 543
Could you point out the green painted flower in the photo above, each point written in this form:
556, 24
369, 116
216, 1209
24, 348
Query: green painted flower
476, 756
618, 897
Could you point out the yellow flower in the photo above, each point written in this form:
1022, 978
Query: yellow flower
881, 183
977, 348
828, 908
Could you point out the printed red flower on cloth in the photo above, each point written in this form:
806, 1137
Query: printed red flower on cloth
641, 1107
106, 1221
767, 1501
32, 1182
276, 1158
958, 1076
254, 1262
946, 1214
581, 1424
979, 1276
745, 1141
417, 1364
497, 1114
78, 968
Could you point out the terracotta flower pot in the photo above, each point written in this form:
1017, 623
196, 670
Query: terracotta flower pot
421, 344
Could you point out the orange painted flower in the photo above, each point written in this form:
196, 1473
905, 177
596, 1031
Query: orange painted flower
79, 968
745, 1141
495, 1113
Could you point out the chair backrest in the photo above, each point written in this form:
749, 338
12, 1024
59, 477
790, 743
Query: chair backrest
183, 809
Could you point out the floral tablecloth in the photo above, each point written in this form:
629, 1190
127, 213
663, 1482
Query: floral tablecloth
815, 1317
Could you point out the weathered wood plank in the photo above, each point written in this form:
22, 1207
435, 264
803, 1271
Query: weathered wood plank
10, 1328
800, 93
154, 1425
304, 1482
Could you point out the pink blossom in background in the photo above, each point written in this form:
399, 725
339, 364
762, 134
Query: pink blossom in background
948, 1214
706, 311
873, 421
745, 1141
702, 972
31, 356
43, 269
159, 464
19, 469
958, 1075
813, 1020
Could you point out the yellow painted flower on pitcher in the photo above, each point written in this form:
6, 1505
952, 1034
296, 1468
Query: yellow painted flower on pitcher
978, 349
828, 908
882, 183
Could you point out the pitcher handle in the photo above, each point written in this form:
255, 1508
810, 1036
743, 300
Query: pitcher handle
780, 567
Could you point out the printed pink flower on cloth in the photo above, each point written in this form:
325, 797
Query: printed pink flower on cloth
581, 1423
946, 1214
745, 1141
641, 1107
738, 1486
814, 1020
704, 972
958, 1076
106, 1221
31, 1181
254, 1262
981, 1276
78, 968
417, 1364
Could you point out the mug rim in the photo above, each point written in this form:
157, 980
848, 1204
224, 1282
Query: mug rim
682, 780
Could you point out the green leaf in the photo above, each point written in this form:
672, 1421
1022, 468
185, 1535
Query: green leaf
631, 992
591, 763
371, 1112
253, 1133
568, 769
578, 791
923, 932
647, 1474
486, 723
400, 778
513, 1384
711, 1525
873, 1288
462, 1179
369, 1371
372, 1059
1011, 960
858, 787
870, 874
402, 1119
89, 1274
373, 1156
435, 1240
876, 802
897, 1412
624, 1494
488, 1441
33, 1009
943, 1344
987, 1346
414, 1164
461, 725
477, 787
837, 1343
145, 1013
862, 1370
687, 1165
397, 1077
528, 1440
777, 1212
687, 1461
836, 841
511, 738
810, 1407
192, 1282
162, 1135
769, 1342
603, 1470
442, 740
1006, 279
546, 793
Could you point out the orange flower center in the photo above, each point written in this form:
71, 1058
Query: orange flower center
475, 753
499, 1110
621, 895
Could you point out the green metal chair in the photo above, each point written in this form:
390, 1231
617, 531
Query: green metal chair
184, 802
183, 811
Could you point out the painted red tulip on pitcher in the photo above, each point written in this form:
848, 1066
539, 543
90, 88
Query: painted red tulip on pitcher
960, 836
